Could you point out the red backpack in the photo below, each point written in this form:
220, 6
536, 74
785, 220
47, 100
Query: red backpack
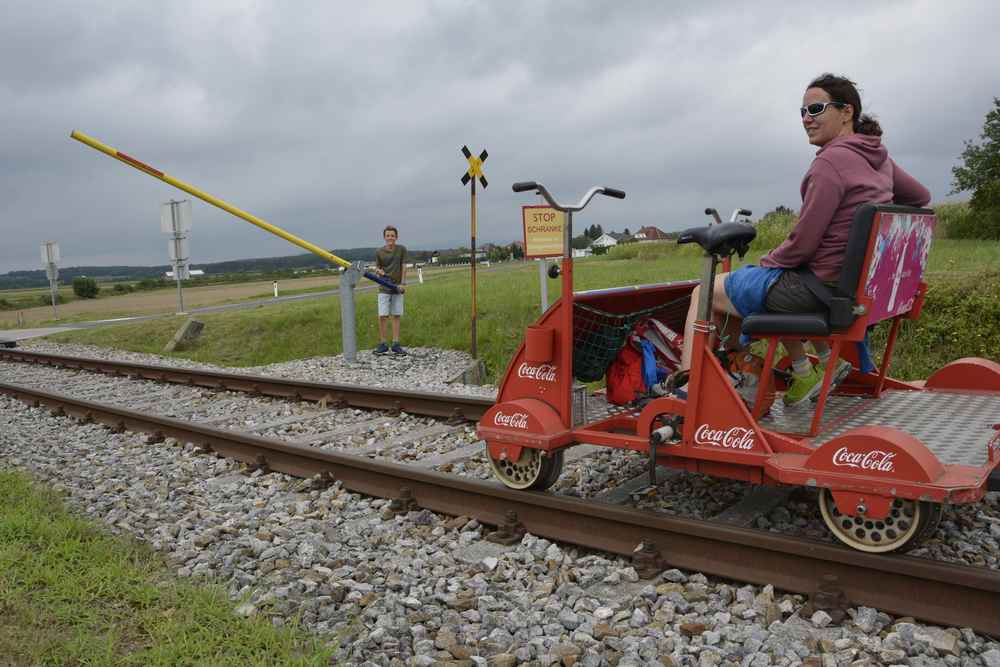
624, 379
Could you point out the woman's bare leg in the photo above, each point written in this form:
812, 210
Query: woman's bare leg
720, 305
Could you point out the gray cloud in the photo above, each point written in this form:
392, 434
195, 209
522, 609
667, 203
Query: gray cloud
332, 120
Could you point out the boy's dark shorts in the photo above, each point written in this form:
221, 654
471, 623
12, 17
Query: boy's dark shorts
789, 294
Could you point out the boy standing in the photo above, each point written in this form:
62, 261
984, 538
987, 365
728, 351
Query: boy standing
390, 261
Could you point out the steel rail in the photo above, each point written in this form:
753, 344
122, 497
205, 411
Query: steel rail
470, 408
942, 593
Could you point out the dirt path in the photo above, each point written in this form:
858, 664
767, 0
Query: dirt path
163, 301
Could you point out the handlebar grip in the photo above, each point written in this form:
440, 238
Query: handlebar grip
745, 211
524, 186
710, 211
612, 192
385, 282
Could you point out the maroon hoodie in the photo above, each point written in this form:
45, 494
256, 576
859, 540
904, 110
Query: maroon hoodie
847, 172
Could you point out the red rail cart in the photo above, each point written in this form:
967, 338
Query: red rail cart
884, 454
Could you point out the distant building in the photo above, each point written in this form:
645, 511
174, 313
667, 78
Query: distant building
605, 240
650, 234
582, 252
621, 237
190, 274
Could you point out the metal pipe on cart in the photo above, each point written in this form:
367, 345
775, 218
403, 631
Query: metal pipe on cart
348, 281
543, 282
566, 353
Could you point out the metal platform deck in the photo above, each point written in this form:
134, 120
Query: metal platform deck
955, 426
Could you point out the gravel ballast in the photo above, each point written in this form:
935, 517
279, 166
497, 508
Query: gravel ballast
422, 588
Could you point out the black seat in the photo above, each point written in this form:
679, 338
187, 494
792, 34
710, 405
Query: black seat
724, 239
840, 313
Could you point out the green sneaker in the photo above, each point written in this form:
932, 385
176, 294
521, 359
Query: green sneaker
804, 388
840, 373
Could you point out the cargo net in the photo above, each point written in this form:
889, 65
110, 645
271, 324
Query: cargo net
598, 335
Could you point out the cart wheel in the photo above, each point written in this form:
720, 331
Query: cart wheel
931, 521
902, 530
531, 471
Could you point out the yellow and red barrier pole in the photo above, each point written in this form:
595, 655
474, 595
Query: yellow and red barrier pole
219, 203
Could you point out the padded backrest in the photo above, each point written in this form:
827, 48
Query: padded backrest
901, 243
858, 244
886, 256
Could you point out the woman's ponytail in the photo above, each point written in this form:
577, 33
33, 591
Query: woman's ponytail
867, 125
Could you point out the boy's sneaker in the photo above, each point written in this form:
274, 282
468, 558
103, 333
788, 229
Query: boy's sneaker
804, 387
381, 349
397, 349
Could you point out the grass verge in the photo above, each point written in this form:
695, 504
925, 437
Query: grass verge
73, 595
958, 320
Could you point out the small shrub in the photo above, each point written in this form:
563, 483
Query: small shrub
85, 288
123, 288
772, 229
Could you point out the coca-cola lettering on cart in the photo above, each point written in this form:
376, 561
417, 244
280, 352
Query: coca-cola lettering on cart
513, 420
736, 437
874, 459
542, 372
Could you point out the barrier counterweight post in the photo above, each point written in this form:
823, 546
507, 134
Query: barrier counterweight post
348, 280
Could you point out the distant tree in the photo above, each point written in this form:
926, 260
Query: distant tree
85, 288
580, 242
980, 172
627, 233
600, 232
498, 254
516, 251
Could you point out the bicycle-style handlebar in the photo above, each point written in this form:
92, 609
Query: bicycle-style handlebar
524, 186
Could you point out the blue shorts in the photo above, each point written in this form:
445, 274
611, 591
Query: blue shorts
747, 288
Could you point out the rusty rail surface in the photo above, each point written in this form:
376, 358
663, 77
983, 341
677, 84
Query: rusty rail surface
469, 408
946, 594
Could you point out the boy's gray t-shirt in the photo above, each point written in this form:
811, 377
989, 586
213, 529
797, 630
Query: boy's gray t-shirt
392, 263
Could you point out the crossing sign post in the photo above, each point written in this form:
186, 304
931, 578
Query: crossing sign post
472, 174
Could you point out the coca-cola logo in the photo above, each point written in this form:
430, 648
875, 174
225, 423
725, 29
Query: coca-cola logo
874, 459
513, 420
736, 437
545, 372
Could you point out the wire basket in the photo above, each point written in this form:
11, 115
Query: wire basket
598, 335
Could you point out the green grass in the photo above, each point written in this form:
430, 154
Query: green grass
73, 595
438, 312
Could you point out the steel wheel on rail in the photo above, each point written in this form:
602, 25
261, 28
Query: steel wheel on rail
535, 469
902, 529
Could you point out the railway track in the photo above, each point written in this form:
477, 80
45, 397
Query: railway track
942, 593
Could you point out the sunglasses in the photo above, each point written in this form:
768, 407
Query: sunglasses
816, 108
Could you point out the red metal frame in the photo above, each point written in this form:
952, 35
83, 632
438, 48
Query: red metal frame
720, 436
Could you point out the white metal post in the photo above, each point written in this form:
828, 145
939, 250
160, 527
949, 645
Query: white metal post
175, 219
50, 259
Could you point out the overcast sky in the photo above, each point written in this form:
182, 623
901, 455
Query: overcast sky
333, 119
